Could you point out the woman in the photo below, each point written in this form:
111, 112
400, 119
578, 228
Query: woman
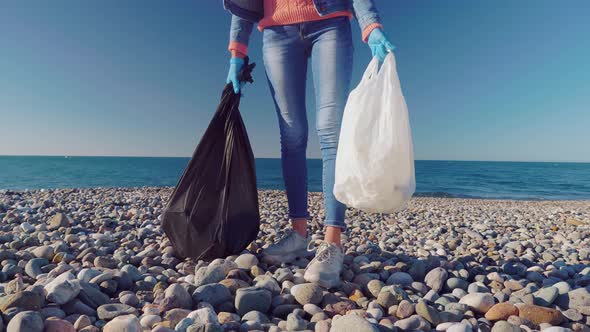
293, 32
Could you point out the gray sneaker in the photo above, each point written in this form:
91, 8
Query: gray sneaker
325, 268
287, 249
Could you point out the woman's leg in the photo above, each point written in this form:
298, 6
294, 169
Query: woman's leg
285, 58
331, 58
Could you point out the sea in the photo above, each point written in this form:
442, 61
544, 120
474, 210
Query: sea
460, 179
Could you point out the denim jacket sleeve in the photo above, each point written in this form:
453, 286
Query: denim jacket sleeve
366, 13
239, 34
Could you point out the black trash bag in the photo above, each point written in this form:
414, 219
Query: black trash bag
213, 211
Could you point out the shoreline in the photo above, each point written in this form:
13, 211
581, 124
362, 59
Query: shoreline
416, 195
99, 258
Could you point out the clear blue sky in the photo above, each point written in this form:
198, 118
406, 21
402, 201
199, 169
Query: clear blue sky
484, 80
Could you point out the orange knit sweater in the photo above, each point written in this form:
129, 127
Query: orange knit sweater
283, 12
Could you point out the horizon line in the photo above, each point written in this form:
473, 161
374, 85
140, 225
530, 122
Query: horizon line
469, 160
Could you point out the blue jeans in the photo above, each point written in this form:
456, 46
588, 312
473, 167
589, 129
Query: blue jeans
286, 51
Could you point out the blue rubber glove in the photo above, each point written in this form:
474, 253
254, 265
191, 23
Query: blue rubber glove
235, 65
379, 44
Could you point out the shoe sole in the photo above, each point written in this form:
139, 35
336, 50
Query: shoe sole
323, 280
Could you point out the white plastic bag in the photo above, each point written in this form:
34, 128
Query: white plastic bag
375, 159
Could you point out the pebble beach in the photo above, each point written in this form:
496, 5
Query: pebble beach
97, 259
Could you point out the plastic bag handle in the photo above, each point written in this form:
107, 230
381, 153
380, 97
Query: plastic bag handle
372, 70
245, 74
389, 66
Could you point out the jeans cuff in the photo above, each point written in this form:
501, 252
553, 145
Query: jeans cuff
299, 215
336, 223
